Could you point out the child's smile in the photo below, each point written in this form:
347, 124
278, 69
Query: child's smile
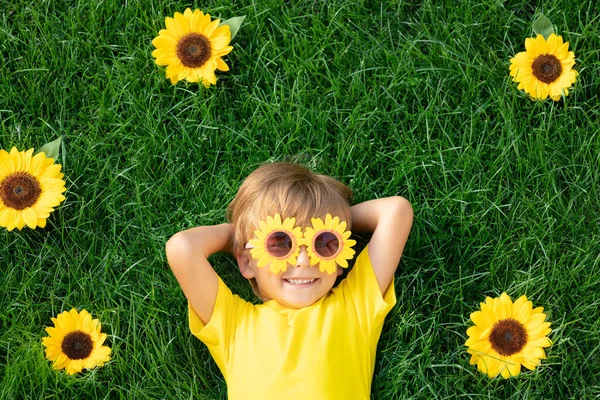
300, 282
301, 285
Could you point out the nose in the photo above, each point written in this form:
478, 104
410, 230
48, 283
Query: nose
302, 260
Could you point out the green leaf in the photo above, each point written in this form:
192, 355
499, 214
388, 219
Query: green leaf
234, 24
543, 26
51, 149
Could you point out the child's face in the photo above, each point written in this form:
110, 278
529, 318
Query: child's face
299, 286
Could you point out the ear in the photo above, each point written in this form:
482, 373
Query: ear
340, 271
243, 260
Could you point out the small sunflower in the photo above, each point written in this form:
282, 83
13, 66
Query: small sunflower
192, 46
75, 342
30, 187
344, 244
260, 250
507, 336
545, 69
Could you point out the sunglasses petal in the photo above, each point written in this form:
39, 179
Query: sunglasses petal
342, 262
256, 242
327, 266
264, 260
314, 258
282, 265
317, 224
274, 220
288, 224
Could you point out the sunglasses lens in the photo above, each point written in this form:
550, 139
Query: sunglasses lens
279, 244
326, 244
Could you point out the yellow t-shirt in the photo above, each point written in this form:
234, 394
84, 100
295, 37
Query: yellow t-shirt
322, 352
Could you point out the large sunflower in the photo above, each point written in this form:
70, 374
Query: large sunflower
507, 335
545, 69
75, 342
30, 188
192, 46
344, 251
262, 235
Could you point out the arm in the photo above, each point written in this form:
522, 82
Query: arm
187, 254
390, 220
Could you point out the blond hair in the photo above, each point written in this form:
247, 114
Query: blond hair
290, 190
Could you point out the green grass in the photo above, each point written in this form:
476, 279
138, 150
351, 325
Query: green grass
395, 97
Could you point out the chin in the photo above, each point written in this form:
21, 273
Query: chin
297, 303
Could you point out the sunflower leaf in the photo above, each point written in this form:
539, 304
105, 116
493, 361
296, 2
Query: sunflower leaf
543, 26
234, 24
51, 149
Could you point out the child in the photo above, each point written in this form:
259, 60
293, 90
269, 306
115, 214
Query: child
288, 232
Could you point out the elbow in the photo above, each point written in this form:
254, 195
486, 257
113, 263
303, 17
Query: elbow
176, 247
402, 210
173, 242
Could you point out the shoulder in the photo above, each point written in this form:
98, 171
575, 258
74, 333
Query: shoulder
225, 313
360, 290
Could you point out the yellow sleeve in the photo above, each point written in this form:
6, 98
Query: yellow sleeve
218, 333
361, 292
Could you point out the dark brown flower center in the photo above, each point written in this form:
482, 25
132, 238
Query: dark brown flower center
20, 190
546, 68
508, 337
77, 345
193, 50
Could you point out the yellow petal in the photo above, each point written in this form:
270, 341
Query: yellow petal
219, 42
540, 342
223, 30
511, 370
532, 352
183, 23
30, 217
174, 27
553, 43
531, 45
541, 91
196, 23
263, 261
342, 262
7, 216
102, 354
74, 366
522, 309
208, 31
481, 320
188, 13
562, 51
222, 52
210, 77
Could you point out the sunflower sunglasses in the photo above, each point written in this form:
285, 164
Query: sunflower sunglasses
278, 242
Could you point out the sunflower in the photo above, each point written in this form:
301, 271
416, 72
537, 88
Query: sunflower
545, 69
75, 342
30, 188
344, 251
192, 46
507, 335
262, 235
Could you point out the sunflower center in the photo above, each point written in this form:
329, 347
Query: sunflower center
194, 50
77, 345
508, 337
20, 190
546, 68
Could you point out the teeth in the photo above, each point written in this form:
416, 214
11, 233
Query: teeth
299, 281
